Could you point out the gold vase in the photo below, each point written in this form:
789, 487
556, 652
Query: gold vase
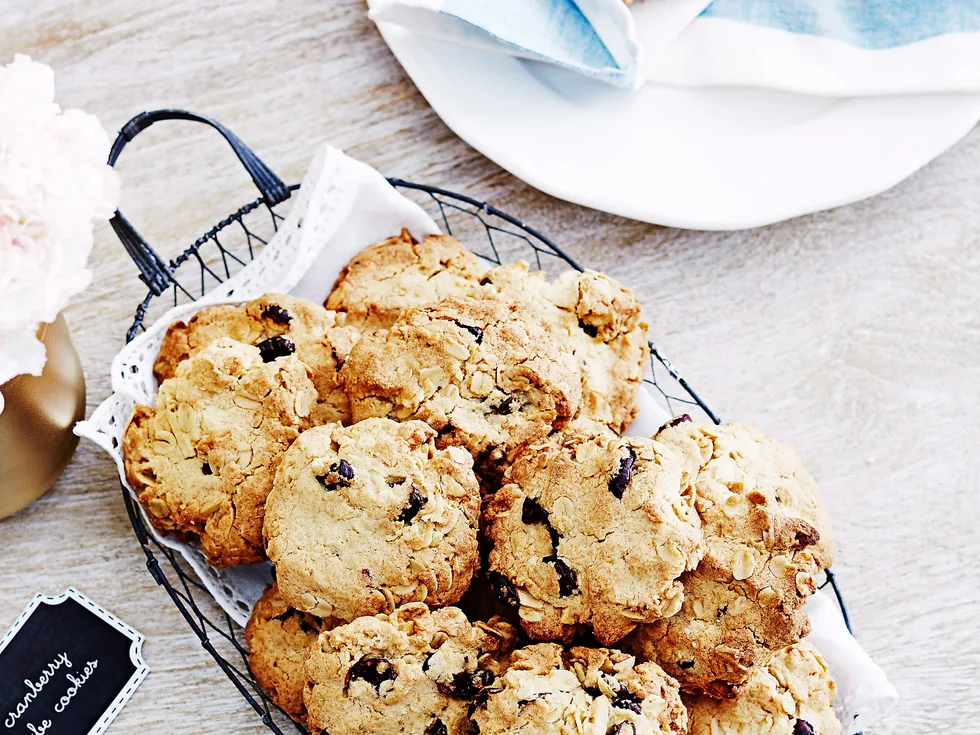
36, 439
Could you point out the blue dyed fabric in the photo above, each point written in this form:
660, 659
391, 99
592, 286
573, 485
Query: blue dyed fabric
554, 30
870, 24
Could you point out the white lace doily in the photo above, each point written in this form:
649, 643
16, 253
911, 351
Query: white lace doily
342, 207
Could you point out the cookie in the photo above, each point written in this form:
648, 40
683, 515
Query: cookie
410, 672
278, 325
603, 324
383, 280
792, 695
202, 460
367, 517
746, 597
586, 690
278, 639
593, 531
487, 374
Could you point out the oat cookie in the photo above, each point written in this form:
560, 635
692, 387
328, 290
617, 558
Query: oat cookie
383, 280
603, 324
792, 695
487, 374
279, 638
745, 599
410, 672
278, 325
202, 460
589, 691
592, 530
371, 516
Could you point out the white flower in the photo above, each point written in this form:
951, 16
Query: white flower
54, 185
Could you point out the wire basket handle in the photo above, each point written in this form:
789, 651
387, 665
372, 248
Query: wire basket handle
154, 272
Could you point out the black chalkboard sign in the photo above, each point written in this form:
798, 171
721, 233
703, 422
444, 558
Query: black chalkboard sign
66, 668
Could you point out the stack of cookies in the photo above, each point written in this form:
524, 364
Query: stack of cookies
463, 539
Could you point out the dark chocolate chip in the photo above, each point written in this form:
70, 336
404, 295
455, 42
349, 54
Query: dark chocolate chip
505, 407
275, 347
277, 314
802, 727
589, 329
567, 579
465, 685
206, 469
504, 589
438, 727
721, 612
555, 537
475, 331
593, 691
625, 700
621, 729
686, 664
375, 671
485, 281
415, 502
621, 480
532, 512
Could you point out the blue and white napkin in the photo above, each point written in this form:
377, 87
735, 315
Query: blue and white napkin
820, 47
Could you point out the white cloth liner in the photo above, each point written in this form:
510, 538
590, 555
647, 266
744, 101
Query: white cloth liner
343, 206
816, 47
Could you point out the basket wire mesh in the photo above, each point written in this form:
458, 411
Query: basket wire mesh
232, 243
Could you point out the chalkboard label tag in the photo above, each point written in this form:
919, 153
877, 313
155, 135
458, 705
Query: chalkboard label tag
67, 667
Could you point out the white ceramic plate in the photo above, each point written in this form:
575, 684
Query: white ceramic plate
710, 158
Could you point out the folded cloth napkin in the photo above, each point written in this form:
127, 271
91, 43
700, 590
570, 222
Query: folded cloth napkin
819, 47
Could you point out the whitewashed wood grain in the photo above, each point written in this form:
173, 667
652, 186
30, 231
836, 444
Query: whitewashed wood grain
854, 333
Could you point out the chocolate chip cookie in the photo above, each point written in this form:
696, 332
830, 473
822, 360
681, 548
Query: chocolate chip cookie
487, 374
202, 460
546, 690
278, 325
792, 695
592, 530
410, 672
367, 517
745, 599
279, 639
603, 324
383, 280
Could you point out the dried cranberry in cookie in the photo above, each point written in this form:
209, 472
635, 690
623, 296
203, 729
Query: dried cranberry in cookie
279, 326
766, 537
409, 672
202, 460
366, 517
592, 531
488, 375
383, 280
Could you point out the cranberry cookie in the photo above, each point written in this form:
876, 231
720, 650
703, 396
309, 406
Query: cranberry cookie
383, 280
410, 672
202, 460
792, 695
279, 639
603, 324
487, 374
278, 325
547, 690
759, 508
592, 530
367, 517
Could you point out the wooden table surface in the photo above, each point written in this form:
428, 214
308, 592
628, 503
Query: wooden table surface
854, 334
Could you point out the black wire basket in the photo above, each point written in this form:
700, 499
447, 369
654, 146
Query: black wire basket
232, 243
